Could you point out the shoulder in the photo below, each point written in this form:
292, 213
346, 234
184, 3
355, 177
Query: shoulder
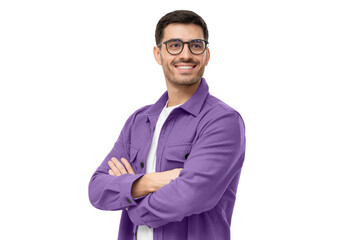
221, 122
138, 113
141, 110
216, 110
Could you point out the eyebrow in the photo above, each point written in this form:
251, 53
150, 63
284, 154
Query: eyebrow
183, 40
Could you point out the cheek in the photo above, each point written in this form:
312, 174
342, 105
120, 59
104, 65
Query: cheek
205, 60
160, 59
167, 61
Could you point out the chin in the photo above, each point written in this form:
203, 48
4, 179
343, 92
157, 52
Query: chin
184, 81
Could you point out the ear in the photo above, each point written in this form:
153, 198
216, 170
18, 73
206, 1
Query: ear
207, 56
157, 56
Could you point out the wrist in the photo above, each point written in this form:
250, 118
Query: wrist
141, 187
149, 183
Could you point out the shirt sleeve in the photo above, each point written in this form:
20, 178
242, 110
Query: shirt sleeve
107, 192
214, 160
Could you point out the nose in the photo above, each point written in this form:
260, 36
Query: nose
185, 54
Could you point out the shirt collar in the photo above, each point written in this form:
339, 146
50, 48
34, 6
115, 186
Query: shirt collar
192, 105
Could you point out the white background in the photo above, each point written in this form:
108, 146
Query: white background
72, 72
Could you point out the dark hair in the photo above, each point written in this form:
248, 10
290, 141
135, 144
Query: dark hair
179, 16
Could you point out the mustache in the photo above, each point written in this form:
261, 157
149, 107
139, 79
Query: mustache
191, 61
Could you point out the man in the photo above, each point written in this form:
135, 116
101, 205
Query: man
175, 167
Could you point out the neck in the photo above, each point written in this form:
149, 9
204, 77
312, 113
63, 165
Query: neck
179, 94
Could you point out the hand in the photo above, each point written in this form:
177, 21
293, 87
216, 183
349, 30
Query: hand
117, 169
150, 182
160, 179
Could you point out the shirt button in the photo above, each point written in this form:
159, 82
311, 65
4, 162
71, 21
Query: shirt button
128, 200
186, 156
142, 165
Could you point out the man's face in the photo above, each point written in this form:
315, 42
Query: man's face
173, 65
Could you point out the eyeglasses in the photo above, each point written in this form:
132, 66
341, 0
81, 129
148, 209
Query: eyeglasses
175, 46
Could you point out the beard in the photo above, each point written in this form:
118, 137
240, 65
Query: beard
183, 79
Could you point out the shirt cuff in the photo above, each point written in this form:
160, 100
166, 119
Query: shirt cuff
130, 199
124, 184
139, 198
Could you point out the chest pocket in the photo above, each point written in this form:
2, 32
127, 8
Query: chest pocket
132, 151
176, 155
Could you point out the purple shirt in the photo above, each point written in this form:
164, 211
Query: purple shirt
206, 138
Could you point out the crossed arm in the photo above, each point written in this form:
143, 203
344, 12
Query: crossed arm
216, 159
146, 184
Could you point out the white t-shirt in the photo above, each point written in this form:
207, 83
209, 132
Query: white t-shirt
143, 231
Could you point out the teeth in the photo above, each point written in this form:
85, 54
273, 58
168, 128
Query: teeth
185, 67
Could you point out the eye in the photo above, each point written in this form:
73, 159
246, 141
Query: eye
197, 44
175, 44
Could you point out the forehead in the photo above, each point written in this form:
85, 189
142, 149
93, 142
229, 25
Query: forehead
183, 31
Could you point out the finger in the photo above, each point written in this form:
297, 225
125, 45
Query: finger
127, 209
128, 166
111, 172
114, 168
119, 166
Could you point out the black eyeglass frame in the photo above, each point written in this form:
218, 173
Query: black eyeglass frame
183, 44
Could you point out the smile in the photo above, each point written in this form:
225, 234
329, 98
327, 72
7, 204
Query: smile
185, 67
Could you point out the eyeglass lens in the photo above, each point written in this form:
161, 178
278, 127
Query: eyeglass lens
197, 46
